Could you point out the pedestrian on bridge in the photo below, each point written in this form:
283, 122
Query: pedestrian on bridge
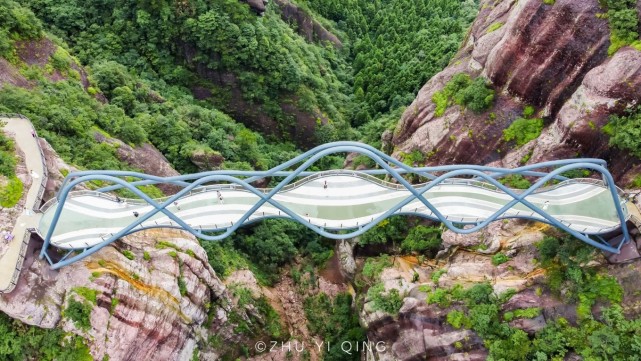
325, 185
546, 204
176, 204
136, 214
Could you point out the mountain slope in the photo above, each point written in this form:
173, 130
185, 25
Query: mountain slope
546, 62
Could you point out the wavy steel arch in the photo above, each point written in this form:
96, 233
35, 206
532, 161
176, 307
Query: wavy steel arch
389, 165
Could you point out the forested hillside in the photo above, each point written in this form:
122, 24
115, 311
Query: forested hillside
196, 85
396, 46
147, 62
213, 84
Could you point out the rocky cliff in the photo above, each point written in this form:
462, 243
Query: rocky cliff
138, 311
422, 329
552, 57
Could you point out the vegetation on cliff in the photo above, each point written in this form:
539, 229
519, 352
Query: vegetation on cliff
10, 185
594, 335
624, 24
625, 131
187, 76
21, 342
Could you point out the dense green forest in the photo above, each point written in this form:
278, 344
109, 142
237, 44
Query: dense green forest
397, 46
135, 71
149, 87
197, 77
23, 342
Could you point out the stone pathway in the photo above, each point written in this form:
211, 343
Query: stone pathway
11, 261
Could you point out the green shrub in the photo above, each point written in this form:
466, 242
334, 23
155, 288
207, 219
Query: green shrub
422, 239
88, 293
114, 302
11, 193
166, 244
334, 322
625, 131
516, 181
7, 155
528, 111
79, 313
60, 60
462, 90
441, 101
364, 161
130, 255
484, 319
480, 293
146, 256
531, 312
495, 26
624, 23
24, 342
436, 275
272, 243
374, 266
517, 346
458, 319
523, 130
413, 158
224, 258
182, 286
389, 302
499, 258
478, 96
440, 297
393, 229
319, 252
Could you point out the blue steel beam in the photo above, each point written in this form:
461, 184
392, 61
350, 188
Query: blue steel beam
390, 166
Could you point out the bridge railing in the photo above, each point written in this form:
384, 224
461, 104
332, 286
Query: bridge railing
235, 187
12, 115
45, 174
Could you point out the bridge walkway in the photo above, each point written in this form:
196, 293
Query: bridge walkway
26, 140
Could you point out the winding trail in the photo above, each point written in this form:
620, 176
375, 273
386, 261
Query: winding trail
11, 261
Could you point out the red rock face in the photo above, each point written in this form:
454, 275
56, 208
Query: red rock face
546, 50
605, 90
306, 25
553, 57
256, 5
